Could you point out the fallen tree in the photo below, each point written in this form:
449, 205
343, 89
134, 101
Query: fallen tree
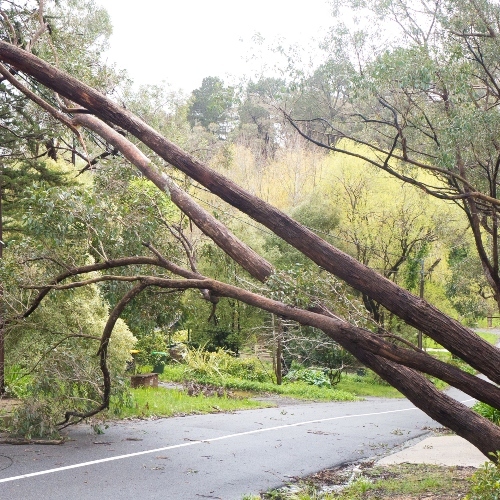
395, 364
416, 312
388, 360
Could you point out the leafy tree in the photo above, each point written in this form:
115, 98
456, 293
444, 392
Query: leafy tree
424, 100
259, 122
466, 286
212, 106
397, 365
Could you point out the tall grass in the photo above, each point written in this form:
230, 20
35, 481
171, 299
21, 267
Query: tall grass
350, 387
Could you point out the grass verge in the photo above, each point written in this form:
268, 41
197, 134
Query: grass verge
489, 337
365, 482
350, 387
161, 402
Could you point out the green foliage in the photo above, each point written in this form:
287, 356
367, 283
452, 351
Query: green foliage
310, 376
147, 344
211, 106
485, 483
316, 213
37, 418
19, 181
17, 383
160, 402
57, 345
219, 363
217, 377
466, 284
488, 412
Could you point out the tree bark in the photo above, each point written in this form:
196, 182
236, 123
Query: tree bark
364, 345
348, 336
241, 253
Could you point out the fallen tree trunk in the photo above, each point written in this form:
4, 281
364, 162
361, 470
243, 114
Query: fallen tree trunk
416, 312
241, 253
347, 335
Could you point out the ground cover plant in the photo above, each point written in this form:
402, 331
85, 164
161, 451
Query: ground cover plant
222, 369
485, 483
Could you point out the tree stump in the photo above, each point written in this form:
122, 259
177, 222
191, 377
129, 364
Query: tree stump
144, 380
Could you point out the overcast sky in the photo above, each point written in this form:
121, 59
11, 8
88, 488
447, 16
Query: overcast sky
183, 42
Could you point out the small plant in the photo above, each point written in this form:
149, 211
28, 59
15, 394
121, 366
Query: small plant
485, 483
35, 419
222, 364
17, 383
313, 377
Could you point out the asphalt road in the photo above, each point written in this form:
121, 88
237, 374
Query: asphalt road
221, 456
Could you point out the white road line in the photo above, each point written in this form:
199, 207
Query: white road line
194, 443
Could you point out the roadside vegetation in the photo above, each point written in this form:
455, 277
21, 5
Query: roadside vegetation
201, 381
368, 482
87, 235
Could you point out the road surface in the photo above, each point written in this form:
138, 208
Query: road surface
218, 456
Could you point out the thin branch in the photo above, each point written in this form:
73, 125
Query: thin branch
103, 353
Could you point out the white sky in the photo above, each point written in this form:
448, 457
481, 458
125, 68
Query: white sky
181, 42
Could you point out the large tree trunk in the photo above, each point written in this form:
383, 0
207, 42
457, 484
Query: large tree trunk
209, 225
476, 429
457, 339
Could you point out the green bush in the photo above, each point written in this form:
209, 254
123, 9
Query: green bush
485, 483
36, 419
309, 375
147, 344
222, 364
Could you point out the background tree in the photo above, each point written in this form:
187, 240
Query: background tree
394, 363
424, 100
212, 106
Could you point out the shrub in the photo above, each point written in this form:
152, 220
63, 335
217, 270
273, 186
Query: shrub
221, 363
485, 483
311, 376
57, 346
147, 344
